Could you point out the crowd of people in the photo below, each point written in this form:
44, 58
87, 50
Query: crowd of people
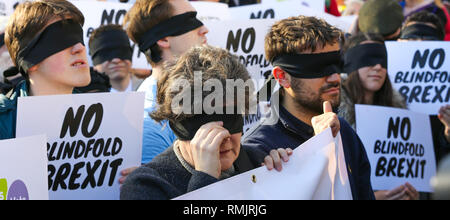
322, 72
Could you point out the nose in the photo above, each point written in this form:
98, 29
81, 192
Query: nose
336, 77
377, 67
78, 48
203, 30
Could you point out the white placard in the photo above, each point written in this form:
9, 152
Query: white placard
399, 146
316, 170
282, 10
421, 72
211, 11
91, 138
7, 6
23, 169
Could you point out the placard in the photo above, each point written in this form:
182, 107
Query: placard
420, 71
315, 171
399, 146
23, 169
91, 138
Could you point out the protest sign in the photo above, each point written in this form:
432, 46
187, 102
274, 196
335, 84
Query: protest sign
246, 40
23, 169
91, 138
211, 11
420, 72
399, 146
282, 10
316, 170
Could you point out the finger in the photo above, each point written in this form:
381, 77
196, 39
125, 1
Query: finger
276, 159
327, 107
414, 194
283, 154
398, 196
289, 151
127, 171
268, 162
219, 137
205, 129
397, 190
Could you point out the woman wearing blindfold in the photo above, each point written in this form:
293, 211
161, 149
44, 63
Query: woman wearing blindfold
208, 148
365, 61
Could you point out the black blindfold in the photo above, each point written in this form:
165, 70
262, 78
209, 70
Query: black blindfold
420, 31
2, 39
109, 45
310, 66
174, 26
55, 38
365, 55
187, 128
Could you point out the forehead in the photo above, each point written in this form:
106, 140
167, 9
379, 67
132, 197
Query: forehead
181, 6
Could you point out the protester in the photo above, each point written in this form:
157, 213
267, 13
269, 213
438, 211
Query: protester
433, 6
365, 61
111, 53
422, 25
163, 29
382, 17
208, 148
306, 58
48, 52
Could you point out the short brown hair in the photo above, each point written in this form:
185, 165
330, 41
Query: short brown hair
102, 29
214, 63
144, 15
30, 18
299, 34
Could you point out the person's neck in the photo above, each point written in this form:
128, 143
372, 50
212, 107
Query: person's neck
301, 113
43, 87
368, 97
121, 84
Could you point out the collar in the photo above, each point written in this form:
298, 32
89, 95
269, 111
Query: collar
282, 116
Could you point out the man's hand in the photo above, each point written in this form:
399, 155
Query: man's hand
444, 117
205, 148
275, 158
325, 120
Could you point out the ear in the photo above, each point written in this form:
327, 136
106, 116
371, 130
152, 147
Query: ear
281, 76
163, 43
33, 68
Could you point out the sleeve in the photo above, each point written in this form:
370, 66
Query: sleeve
146, 184
200, 180
365, 191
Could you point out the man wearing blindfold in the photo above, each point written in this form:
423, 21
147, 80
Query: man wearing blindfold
305, 54
163, 30
208, 148
111, 53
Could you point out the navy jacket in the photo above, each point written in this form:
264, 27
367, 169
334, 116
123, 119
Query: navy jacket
287, 131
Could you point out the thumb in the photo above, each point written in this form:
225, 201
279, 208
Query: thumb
327, 107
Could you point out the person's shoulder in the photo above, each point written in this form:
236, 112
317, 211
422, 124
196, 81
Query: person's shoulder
262, 136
